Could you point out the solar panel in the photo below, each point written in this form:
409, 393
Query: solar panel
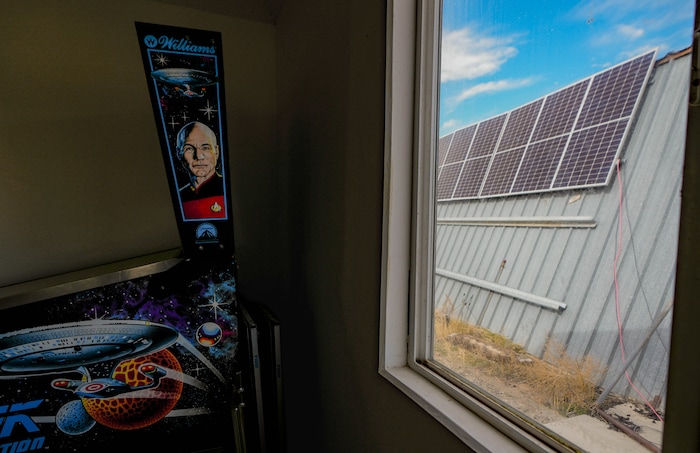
460, 145
443, 145
502, 172
471, 178
560, 111
567, 139
519, 127
539, 165
486, 137
590, 155
614, 93
447, 180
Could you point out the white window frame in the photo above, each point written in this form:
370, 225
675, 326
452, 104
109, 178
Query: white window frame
412, 87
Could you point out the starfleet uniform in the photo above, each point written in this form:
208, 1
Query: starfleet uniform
206, 201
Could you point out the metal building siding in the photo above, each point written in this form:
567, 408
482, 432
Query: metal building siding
576, 265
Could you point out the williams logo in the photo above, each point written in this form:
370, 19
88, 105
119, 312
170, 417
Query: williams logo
175, 44
150, 41
206, 232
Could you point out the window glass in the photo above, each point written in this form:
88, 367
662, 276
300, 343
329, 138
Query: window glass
558, 171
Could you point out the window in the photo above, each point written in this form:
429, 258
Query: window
423, 294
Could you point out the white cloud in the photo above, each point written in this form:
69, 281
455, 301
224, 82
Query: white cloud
451, 125
492, 87
467, 56
618, 35
620, 22
628, 31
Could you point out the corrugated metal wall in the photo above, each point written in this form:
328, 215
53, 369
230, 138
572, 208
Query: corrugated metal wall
574, 263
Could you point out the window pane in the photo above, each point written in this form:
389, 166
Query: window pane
562, 132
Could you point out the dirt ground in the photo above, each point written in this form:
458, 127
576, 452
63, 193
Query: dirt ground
588, 431
518, 396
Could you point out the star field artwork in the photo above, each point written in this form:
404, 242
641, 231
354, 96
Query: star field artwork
184, 74
141, 363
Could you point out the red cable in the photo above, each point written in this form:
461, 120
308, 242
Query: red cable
617, 295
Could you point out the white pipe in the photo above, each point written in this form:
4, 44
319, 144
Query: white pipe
540, 222
506, 291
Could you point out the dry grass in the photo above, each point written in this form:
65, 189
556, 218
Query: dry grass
567, 384
556, 380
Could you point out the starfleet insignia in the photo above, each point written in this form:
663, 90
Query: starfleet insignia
216, 207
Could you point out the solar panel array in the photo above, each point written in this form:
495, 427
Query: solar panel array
568, 139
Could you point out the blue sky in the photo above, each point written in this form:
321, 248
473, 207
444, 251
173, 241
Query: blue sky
500, 54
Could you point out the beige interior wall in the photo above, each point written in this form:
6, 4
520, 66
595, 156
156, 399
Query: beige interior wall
331, 75
83, 180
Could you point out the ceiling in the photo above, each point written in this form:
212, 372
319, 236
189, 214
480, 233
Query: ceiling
257, 10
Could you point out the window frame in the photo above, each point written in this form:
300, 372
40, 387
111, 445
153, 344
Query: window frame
412, 94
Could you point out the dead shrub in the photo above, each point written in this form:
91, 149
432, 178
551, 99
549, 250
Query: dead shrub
556, 380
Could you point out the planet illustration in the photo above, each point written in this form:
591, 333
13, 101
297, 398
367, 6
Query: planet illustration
140, 408
73, 419
209, 334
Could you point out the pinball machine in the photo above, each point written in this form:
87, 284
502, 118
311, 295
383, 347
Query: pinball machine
158, 352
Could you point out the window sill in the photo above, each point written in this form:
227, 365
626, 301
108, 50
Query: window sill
469, 427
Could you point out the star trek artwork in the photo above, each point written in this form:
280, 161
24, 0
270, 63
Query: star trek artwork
184, 74
150, 361
140, 361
